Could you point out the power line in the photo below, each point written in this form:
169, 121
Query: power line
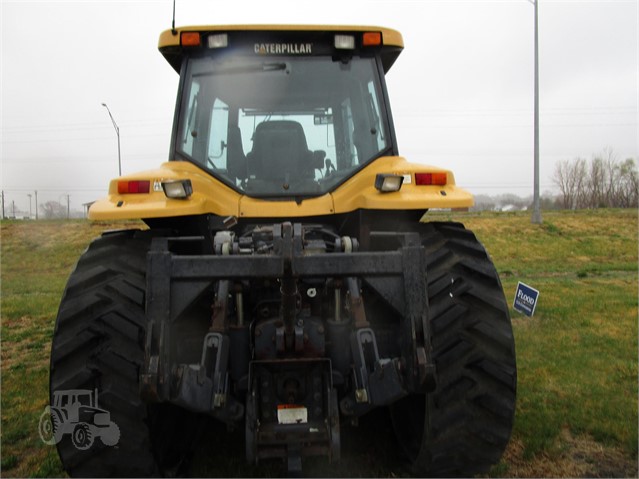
57, 190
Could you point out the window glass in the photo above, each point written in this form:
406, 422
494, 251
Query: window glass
282, 126
218, 137
189, 129
374, 106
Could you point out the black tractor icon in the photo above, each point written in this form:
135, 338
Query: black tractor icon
76, 412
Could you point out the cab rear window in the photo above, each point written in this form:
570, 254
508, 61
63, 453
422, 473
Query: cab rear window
281, 125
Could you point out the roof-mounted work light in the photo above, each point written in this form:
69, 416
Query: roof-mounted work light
219, 40
344, 42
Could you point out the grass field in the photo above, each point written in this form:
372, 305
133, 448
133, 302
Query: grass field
577, 357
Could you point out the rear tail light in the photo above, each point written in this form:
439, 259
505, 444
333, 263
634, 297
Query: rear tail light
430, 179
133, 187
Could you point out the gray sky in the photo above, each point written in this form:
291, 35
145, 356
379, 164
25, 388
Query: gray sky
461, 92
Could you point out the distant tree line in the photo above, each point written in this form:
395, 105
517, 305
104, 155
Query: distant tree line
53, 210
602, 182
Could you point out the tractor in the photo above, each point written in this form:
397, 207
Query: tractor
76, 412
288, 279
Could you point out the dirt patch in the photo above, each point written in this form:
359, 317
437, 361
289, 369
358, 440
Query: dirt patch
579, 456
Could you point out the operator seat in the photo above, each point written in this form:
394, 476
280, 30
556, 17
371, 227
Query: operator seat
280, 152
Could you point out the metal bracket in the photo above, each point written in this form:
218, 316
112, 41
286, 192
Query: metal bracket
420, 369
363, 344
219, 344
377, 381
204, 387
310, 426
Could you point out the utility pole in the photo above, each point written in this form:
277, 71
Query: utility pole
68, 208
36, 201
117, 132
3, 216
30, 211
536, 215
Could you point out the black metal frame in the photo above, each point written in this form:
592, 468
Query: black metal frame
175, 281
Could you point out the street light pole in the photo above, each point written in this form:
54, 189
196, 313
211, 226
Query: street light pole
117, 132
536, 215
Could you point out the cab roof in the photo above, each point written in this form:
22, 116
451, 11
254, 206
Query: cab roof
169, 45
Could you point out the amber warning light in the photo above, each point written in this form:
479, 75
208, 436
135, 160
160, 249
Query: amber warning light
190, 39
371, 39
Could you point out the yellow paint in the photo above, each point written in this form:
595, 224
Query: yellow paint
211, 196
359, 191
389, 37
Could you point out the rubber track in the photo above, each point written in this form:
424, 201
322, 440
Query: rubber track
99, 343
468, 419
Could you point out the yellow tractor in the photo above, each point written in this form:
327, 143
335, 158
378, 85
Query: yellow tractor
289, 280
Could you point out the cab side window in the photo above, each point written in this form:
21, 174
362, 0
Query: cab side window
190, 131
218, 135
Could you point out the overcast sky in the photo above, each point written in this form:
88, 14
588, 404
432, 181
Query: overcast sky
461, 92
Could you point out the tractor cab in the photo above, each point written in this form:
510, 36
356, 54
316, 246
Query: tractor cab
282, 113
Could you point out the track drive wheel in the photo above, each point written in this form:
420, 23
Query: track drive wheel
462, 428
98, 343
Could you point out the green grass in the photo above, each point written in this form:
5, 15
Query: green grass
577, 357
36, 260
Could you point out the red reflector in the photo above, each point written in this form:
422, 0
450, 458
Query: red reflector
371, 39
430, 178
133, 187
190, 39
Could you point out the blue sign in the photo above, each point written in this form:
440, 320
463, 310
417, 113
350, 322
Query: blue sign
525, 299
